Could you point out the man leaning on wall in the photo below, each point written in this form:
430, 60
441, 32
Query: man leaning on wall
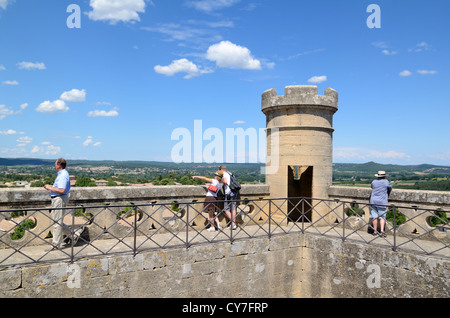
59, 194
381, 188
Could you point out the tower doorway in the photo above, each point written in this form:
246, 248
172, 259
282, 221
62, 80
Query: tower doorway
299, 185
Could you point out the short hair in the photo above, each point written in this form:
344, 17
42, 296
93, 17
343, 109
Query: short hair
222, 167
62, 162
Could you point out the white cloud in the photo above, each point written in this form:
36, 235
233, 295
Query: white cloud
48, 150
31, 66
426, 72
405, 73
10, 83
52, 150
2, 68
88, 141
317, 79
194, 32
5, 112
4, 3
23, 141
443, 156
74, 96
380, 44
116, 11
239, 122
103, 113
230, 55
383, 45
103, 103
353, 153
13, 152
47, 107
421, 47
10, 132
211, 5
421, 72
387, 52
180, 66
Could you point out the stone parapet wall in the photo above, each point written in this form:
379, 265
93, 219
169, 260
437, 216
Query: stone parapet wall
39, 198
287, 266
417, 198
106, 208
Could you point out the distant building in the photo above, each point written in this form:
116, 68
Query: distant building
101, 183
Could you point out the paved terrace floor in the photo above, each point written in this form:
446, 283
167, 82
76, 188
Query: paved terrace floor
40, 254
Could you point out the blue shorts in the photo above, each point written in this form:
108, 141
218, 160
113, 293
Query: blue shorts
378, 212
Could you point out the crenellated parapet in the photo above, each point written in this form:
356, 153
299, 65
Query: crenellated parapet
300, 95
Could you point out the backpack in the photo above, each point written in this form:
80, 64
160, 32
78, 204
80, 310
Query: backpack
234, 184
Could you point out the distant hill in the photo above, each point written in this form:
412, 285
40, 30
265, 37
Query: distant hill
24, 161
369, 167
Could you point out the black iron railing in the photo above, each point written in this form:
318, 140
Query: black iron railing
26, 234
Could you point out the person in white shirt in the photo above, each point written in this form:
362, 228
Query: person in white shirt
230, 205
210, 205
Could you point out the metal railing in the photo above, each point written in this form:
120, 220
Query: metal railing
25, 234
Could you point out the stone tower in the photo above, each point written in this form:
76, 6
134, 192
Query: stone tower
300, 128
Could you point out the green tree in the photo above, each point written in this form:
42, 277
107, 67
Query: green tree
37, 184
85, 182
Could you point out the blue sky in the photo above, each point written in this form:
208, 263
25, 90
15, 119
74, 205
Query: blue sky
117, 86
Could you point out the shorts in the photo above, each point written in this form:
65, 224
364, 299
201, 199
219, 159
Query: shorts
230, 201
210, 204
378, 212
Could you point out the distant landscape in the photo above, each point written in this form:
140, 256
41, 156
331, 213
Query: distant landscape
30, 172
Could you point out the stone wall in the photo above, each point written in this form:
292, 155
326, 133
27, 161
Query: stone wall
106, 215
39, 198
411, 198
288, 266
291, 265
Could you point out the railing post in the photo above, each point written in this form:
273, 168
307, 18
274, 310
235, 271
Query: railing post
395, 229
72, 257
343, 221
187, 226
303, 215
135, 231
270, 218
232, 220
